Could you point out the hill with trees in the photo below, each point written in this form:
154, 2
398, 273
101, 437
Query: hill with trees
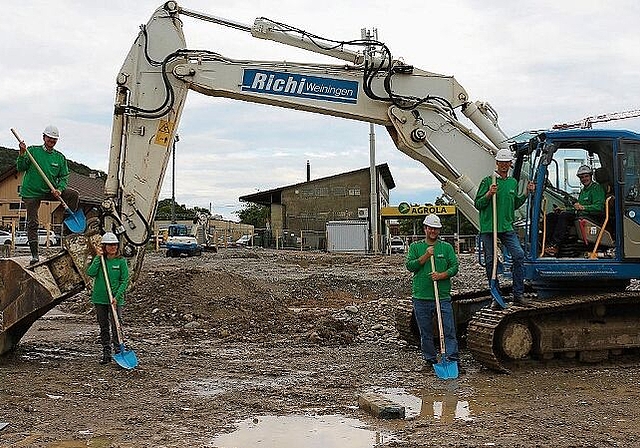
8, 158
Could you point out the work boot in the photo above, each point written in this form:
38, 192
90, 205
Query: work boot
106, 356
495, 306
521, 301
33, 245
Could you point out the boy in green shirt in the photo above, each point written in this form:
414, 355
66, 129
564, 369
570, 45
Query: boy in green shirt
423, 293
118, 278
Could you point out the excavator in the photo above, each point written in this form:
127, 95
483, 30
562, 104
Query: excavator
583, 306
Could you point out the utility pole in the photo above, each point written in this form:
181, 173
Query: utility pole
173, 181
373, 193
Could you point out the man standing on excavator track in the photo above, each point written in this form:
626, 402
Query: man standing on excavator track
508, 201
34, 188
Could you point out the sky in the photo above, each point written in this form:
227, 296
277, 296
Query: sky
537, 63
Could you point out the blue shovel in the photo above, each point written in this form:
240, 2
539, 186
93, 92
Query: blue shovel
76, 221
493, 284
445, 370
126, 358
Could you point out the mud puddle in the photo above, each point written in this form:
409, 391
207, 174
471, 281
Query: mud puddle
326, 431
444, 407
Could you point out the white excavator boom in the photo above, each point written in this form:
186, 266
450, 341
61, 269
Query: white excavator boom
416, 107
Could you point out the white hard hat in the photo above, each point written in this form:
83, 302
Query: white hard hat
51, 131
584, 169
432, 221
109, 238
504, 155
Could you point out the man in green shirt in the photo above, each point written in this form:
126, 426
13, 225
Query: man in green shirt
34, 189
505, 188
423, 292
590, 203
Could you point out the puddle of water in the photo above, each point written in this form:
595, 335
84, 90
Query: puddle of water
444, 408
45, 354
326, 431
447, 411
411, 403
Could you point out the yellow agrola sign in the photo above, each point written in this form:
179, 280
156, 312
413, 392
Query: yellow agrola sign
406, 210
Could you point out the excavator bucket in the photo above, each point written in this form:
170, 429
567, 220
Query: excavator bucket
29, 292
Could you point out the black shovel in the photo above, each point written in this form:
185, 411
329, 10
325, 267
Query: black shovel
76, 221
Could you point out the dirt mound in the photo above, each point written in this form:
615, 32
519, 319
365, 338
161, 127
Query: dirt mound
216, 302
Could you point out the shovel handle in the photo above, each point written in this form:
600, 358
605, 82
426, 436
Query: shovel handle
44, 176
15, 134
495, 230
112, 301
438, 312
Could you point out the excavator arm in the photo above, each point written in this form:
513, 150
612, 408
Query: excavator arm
416, 107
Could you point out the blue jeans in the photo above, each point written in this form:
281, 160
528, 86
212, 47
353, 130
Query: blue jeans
511, 242
424, 311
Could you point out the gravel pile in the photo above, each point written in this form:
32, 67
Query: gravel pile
262, 295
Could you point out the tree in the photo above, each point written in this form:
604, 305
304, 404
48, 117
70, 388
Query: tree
254, 214
163, 212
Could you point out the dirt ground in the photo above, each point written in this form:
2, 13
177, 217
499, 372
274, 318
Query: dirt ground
252, 341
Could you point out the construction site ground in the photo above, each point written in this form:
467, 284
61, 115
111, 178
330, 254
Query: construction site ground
254, 348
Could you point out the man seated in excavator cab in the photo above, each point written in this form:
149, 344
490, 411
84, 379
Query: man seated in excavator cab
590, 205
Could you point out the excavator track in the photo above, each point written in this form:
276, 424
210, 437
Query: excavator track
587, 328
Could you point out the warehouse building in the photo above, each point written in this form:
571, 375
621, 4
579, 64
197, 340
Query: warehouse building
299, 213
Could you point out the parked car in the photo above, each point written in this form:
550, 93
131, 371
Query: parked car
244, 240
21, 238
396, 245
5, 237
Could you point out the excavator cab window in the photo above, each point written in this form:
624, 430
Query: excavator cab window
630, 171
563, 187
178, 230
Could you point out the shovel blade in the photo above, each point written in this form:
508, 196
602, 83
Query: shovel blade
446, 370
126, 358
495, 294
76, 221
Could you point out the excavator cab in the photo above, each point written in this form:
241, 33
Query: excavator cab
600, 252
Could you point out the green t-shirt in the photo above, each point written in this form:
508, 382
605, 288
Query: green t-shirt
445, 260
53, 164
118, 279
592, 197
507, 201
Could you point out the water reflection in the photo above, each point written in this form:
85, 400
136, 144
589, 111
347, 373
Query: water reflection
446, 411
444, 407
